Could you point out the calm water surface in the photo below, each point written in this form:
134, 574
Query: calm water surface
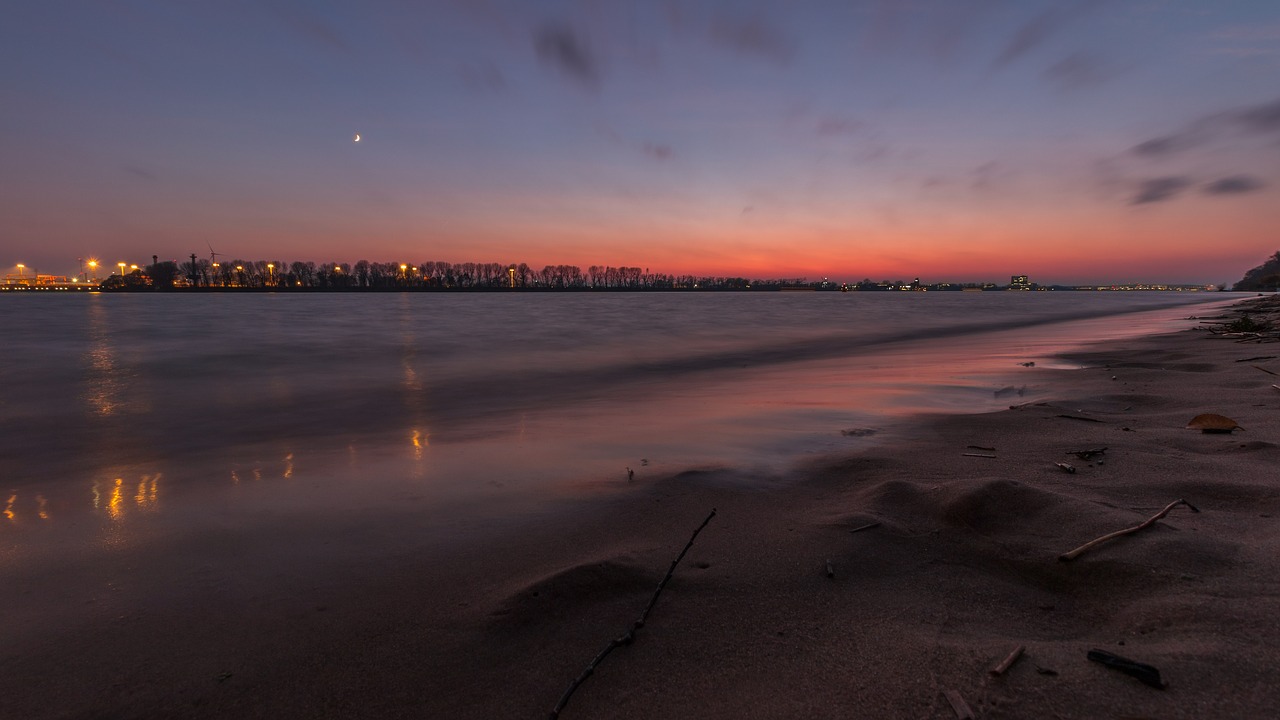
124, 410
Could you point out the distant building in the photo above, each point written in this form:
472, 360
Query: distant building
1019, 282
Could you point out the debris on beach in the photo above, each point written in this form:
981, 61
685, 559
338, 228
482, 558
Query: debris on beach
1213, 423
858, 432
1066, 467
1008, 661
868, 526
981, 455
1087, 454
1146, 674
1072, 555
1086, 418
958, 704
628, 637
1030, 363
1259, 367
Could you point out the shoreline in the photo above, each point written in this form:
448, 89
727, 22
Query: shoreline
961, 570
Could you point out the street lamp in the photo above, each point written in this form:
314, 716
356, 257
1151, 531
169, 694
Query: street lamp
93, 269
20, 268
512, 272
121, 269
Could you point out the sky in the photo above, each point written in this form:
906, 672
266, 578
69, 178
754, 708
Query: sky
961, 140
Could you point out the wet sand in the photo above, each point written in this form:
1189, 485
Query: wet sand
377, 614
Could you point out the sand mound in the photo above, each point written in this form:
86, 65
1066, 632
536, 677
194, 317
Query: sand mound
567, 592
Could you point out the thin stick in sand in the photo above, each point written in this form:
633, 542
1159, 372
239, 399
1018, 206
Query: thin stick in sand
629, 636
1008, 662
1068, 556
958, 704
868, 526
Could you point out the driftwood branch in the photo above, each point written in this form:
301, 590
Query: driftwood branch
1068, 556
868, 526
629, 636
961, 708
1008, 662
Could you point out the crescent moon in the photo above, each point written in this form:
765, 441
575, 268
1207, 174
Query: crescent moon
357, 137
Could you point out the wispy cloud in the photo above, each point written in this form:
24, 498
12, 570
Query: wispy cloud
1077, 71
1253, 120
1160, 189
657, 151
562, 48
1234, 185
1036, 31
753, 36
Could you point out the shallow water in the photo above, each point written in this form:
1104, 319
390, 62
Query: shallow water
124, 412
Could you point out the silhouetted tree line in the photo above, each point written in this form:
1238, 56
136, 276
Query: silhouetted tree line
1264, 277
434, 275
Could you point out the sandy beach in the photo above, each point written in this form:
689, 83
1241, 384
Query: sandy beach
787, 604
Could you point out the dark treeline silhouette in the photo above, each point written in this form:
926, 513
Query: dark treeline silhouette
435, 275
1264, 277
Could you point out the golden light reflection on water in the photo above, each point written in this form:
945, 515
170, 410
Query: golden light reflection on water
114, 508
8, 508
42, 507
420, 441
288, 466
104, 390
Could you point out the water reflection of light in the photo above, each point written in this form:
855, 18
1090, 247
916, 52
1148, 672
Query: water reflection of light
257, 473
97, 496
104, 391
420, 441
117, 499
42, 507
235, 477
288, 466
147, 491
8, 508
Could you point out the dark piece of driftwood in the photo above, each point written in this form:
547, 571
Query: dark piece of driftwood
1008, 662
1067, 467
1260, 357
868, 526
630, 635
1264, 370
958, 704
1080, 417
981, 455
1086, 454
981, 447
1145, 673
1067, 556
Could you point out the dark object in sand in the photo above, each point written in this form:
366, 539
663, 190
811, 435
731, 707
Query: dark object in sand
868, 526
981, 455
1067, 467
958, 704
1008, 661
630, 635
1145, 673
1080, 417
1213, 423
1260, 357
1068, 556
1086, 454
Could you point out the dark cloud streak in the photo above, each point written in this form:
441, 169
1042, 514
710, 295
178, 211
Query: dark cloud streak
1160, 189
560, 46
1234, 185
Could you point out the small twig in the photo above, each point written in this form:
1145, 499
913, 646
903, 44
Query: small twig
981, 455
1008, 662
1264, 370
958, 704
1260, 357
629, 636
1068, 556
1081, 417
868, 526
1066, 467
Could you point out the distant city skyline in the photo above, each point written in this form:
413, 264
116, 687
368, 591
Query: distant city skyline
958, 140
